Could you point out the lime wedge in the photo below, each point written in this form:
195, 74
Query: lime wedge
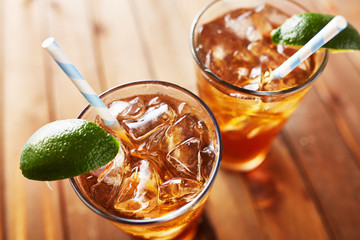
66, 148
299, 29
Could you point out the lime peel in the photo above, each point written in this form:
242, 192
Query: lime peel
299, 29
67, 148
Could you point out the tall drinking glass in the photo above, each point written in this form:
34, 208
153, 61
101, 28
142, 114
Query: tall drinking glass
234, 55
157, 186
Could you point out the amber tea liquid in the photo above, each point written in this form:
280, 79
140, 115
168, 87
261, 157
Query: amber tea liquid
165, 164
235, 58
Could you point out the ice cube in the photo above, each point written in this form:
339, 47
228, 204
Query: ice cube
252, 86
243, 71
179, 190
184, 128
127, 110
207, 155
260, 8
253, 34
154, 101
268, 56
152, 120
181, 108
156, 141
104, 193
214, 64
185, 158
219, 53
109, 178
274, 16
247, 56
139, 193
118, 107
114, 171
255, 72
240, 24
262, 23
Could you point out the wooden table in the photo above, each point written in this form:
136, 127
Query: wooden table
308, 188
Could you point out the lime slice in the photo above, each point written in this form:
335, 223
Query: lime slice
299, 29
66, 148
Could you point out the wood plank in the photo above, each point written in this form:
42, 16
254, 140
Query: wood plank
25, 111
70, 24
269, 205
3, 229
334, 164
188, 11
166, 42
328, 165
345, 113
230, 209
76, 19
284, 206
339, 93
306, 189
120, 48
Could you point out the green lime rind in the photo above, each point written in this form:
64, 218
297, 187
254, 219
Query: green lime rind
66, 148
299, 29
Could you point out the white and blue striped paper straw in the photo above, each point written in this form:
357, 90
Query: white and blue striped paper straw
71, 71
335, 26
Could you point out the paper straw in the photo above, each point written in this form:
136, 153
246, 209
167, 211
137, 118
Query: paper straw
70, 70
336, 25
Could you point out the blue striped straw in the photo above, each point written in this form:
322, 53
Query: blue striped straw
63, 61
336, 25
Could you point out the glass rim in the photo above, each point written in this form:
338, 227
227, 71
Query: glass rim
213, 76
178, 212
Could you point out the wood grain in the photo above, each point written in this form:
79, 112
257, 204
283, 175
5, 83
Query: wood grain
308, 187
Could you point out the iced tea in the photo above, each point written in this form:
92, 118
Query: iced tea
157, 185
232, 47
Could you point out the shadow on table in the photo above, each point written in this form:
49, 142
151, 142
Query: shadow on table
205, 230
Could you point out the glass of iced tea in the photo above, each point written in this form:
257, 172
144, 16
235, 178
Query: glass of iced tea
157, 186
234, 55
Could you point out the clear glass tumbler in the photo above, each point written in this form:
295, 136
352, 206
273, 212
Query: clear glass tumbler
182, 221
230, 42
